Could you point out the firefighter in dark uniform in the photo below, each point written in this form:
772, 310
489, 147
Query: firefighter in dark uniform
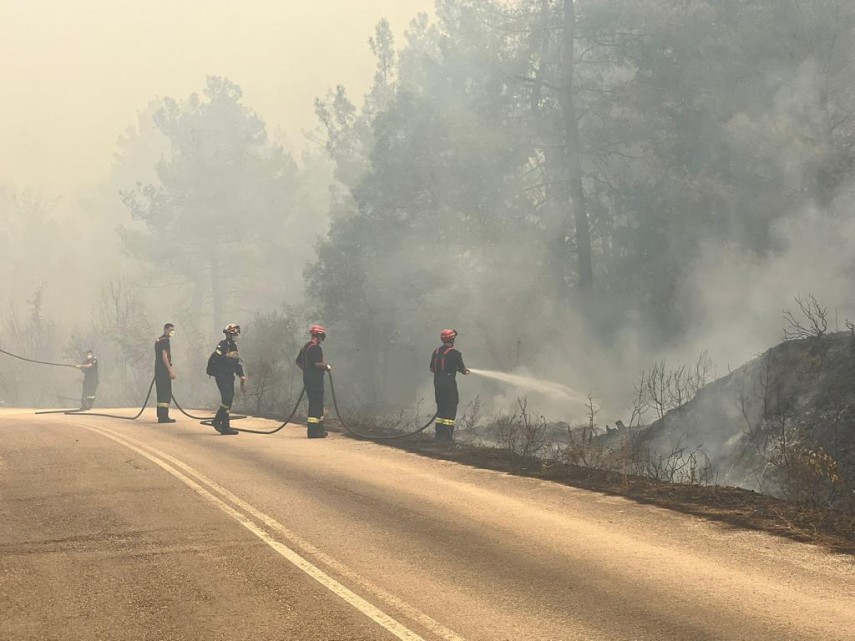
227, 364
311, 361
445, 362
163, 373
89, 367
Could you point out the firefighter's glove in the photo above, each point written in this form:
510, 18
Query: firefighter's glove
232, 354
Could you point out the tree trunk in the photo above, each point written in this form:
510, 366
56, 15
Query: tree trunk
216, 295
554, 167
579, 210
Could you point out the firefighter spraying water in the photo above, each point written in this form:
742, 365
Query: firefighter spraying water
445, 363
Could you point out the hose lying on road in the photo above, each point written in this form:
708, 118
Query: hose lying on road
82, 412
372, 437
207, 420
273, 431
344, 424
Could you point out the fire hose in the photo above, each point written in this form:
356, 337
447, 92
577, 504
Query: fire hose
208, 420
387, 437
31, 360
82, 412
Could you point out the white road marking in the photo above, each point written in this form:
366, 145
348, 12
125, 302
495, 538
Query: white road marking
170, 463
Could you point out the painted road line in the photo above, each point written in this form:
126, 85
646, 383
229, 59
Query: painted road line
170, 463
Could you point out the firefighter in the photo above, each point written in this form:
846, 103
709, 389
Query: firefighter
311, 361
163, 373
445, 362
226, 364
89, 367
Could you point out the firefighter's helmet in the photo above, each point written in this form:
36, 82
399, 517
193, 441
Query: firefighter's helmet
317, 330
448, 335
232, 329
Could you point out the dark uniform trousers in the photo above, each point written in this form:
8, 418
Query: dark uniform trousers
163, 385
90, 384
226, 385
314, 385
447, 399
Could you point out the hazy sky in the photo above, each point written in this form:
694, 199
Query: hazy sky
74, 73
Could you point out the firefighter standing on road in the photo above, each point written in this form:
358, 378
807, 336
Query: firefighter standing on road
163, 373
445, 362
226, 363
89, 367
311, 361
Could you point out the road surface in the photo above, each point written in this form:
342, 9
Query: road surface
132, 530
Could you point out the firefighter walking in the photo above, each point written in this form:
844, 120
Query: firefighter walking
445, 363
163, 373
224, 365
311, 361
89, 367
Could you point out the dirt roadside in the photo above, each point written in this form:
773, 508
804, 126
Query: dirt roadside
732, 506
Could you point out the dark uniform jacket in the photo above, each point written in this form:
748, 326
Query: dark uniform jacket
162, 345
223, 365
311, 354
446, 361
90, 374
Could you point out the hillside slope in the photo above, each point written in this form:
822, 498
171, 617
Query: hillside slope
782, 424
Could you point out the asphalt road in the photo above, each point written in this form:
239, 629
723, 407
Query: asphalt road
132, 530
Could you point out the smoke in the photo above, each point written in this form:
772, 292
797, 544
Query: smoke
740, 296
468, 259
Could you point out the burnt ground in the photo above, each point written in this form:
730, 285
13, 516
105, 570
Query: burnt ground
731, 506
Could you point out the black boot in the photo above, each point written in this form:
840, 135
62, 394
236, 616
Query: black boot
217, 421
226, 424
221, 423
163, 415
444, 433
316, 430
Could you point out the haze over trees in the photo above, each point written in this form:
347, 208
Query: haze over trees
545, 170
577, 186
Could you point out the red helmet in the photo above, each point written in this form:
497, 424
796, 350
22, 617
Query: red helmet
317, 330
448, 335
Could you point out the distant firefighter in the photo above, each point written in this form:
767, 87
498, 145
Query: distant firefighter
445, 363
223, 365
311, 361
163, 373
89, 367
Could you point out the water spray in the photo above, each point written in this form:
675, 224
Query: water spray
549, 388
